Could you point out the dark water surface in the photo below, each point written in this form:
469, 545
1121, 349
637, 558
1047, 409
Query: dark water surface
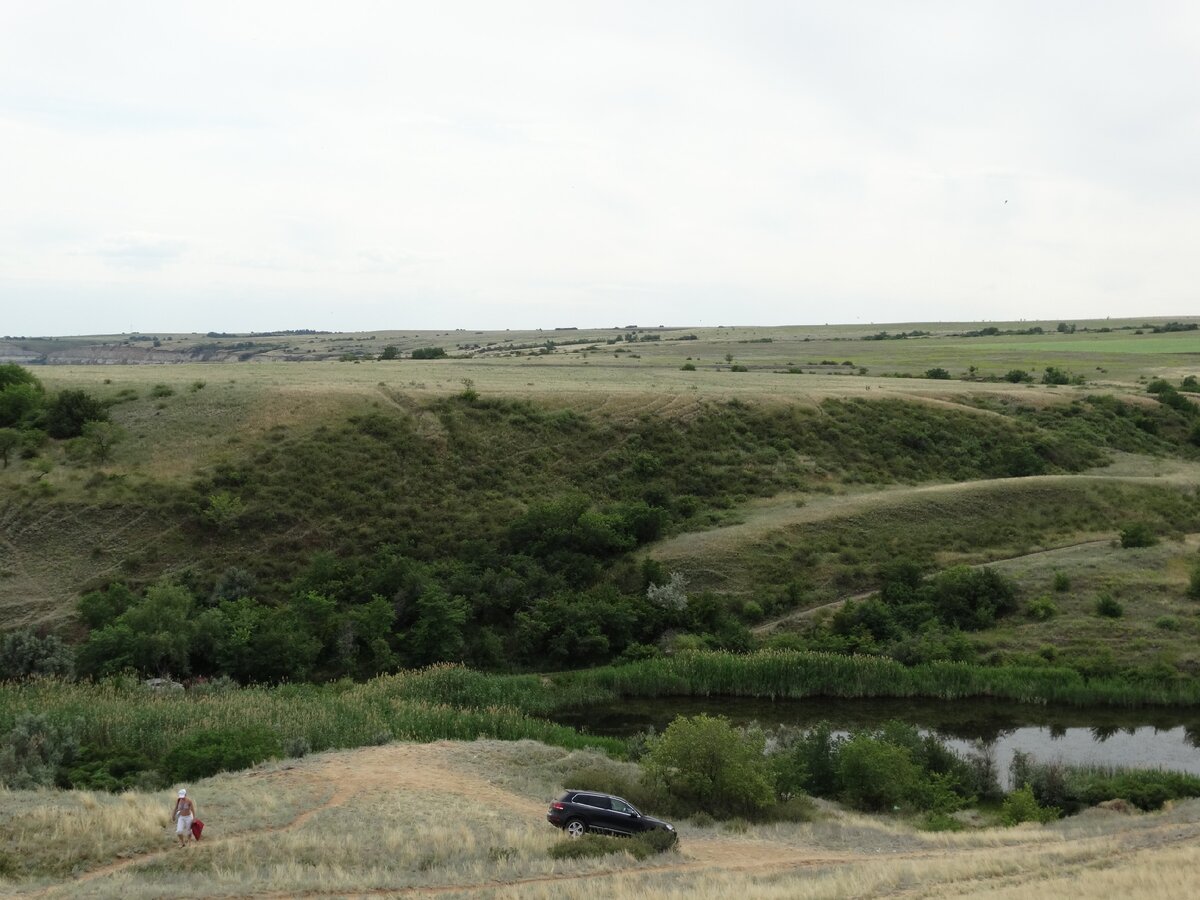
1141, 738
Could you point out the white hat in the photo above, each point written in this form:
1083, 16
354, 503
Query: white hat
183, 792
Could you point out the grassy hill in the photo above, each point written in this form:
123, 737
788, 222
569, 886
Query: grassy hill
467, 819
530, 492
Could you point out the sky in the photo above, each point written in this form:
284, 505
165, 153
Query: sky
237, 166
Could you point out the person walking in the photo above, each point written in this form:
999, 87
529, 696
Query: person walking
184, 815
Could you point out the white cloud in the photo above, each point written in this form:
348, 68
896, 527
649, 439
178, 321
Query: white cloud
466, 164
142, 251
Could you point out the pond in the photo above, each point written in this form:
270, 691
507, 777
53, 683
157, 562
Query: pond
1140, 738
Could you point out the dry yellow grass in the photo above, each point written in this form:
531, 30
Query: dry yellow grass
466, 820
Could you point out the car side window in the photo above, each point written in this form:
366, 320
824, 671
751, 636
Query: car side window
592, 800
621, 806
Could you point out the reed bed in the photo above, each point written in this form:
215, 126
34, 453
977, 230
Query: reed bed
123, 714
800, 674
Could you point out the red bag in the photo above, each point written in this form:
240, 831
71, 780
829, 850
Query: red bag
197, 827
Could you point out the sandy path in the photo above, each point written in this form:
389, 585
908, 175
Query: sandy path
800, 615
785, 510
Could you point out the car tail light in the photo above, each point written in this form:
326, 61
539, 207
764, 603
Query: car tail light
557, 805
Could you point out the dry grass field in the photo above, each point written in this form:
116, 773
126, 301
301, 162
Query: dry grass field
467, 820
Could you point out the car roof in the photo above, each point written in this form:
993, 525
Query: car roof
597, 794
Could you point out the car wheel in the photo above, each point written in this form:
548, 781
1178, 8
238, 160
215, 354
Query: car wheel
575, 828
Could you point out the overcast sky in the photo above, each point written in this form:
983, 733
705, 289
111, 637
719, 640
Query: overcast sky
169, 166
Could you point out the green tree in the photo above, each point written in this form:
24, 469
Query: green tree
253, 642
13, 375
437, 634
70, 410
152, 636
391, 351
20, 404
10, 440
364, 640
102, 608
100, 438
876, 775
706, 761
1193, 590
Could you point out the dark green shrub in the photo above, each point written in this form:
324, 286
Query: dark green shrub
791, 809
640, 846
21, 396
1041, 608
587, 846
875, 775
658, 841
705, 761
1055, 375
1147, 789
1072, 788
1137, 534
809, 764
1193, 590
1062, 582
297, 747
738, 368
1109, 607
100, 608
939, 821
204, 753
429, 353
937, 373
1167, 623
160, 391
10, 440
69, 410
1017, 376
1021, 806
112, 770
34, 752
23, 654
688, 367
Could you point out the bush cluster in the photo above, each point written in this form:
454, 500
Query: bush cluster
885, 769
917, 619
28, 415
1073, 788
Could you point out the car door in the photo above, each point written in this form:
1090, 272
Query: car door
597, 811
624, 817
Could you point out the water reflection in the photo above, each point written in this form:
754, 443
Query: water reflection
1154, 738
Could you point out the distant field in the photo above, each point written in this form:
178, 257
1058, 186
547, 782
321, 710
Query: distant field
1116, 356
1187, 342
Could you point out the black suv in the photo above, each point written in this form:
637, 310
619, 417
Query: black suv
578, 812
